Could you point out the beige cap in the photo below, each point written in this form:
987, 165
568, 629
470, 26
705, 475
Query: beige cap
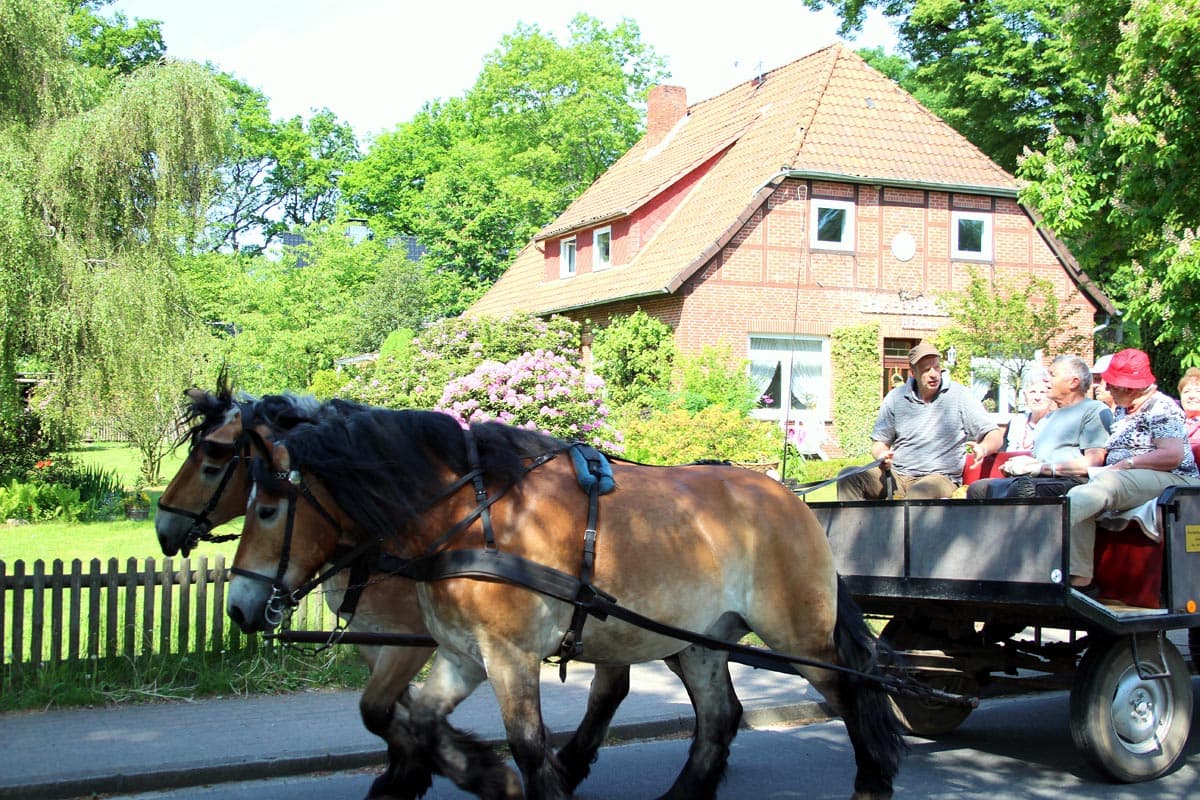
921, 351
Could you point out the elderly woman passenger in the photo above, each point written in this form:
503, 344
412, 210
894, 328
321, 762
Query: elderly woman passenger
1036, 394
1147, 452
1189, 398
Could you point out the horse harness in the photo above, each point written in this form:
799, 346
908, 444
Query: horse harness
489, 562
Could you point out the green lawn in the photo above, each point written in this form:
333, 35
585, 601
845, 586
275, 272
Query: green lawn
124, 460
120, 539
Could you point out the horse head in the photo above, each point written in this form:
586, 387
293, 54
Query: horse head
212, 486
209, 489
291, 528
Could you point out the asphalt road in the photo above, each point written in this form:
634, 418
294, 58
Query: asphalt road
1009, 748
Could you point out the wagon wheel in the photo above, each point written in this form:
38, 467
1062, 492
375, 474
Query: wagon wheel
1130, 727
924, 716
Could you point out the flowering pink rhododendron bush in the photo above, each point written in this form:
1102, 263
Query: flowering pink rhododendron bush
541, 390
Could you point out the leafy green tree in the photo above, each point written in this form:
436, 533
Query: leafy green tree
114, 44
386, 184
1122, 193
242, 207
474, 177
102, 180
1008, 323
310, 157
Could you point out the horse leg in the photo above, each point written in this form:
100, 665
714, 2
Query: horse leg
871, 722
705, 675
463, 758
515, 678
610, 685
407, 775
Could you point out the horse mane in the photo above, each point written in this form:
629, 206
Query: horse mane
208, 410
381, 465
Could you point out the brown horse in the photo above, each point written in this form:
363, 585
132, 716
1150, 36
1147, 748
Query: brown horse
212, 487
711, 549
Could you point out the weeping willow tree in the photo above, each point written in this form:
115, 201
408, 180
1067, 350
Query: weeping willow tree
101, 189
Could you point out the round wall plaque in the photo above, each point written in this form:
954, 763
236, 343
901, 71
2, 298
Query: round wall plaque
904, 246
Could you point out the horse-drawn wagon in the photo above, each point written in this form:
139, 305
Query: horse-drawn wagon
705, 552
977, 600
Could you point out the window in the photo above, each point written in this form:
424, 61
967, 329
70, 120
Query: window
997, 382
972, 234
602, 244
792, 368
832, 225
566, 258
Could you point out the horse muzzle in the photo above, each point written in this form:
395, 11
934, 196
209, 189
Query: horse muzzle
255, 605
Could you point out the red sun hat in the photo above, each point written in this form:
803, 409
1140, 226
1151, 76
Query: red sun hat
1129, 369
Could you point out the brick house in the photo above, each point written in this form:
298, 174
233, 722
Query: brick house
819, 195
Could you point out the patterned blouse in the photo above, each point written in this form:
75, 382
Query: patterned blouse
1160, 417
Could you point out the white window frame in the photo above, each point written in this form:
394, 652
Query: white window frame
1008, 392
599, 263
985, 251
817, 206
764, 360
566, 258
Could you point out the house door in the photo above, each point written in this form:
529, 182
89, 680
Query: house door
895, 362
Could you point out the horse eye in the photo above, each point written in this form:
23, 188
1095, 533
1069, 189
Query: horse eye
218, 451
267, 513
212, 470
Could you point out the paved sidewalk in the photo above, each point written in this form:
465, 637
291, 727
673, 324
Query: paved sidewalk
136, 748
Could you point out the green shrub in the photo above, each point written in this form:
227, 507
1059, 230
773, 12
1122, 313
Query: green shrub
713, 378
855, 366
678, 436
41, 501
634, 354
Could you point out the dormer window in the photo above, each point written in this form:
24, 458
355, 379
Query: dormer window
831, 225
971, 232
566, 258
602, 248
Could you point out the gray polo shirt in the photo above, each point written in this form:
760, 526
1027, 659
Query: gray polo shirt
931, 437
1066, 432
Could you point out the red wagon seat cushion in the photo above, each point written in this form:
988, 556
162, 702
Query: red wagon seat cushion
1129, 566
989, 467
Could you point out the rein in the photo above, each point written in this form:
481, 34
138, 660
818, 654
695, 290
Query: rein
588, 600
801, 489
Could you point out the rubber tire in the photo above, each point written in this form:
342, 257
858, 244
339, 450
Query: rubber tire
1107, 683
920, 716
1194, 648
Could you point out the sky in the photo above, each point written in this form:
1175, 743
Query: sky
375, 63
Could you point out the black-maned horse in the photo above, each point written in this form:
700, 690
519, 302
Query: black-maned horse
707, 548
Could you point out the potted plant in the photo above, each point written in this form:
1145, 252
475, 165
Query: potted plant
136, 504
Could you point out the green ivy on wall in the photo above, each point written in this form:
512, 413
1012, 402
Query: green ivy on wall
857, 376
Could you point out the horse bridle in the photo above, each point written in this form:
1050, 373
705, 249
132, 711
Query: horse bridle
202, 524
282, 598
355, 557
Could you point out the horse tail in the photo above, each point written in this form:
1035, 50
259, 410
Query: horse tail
868, 712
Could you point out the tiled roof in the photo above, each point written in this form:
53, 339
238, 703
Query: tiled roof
828, 114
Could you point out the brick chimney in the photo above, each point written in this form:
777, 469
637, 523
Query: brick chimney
665, 106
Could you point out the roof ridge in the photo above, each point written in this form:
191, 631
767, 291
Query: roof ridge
814, 102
